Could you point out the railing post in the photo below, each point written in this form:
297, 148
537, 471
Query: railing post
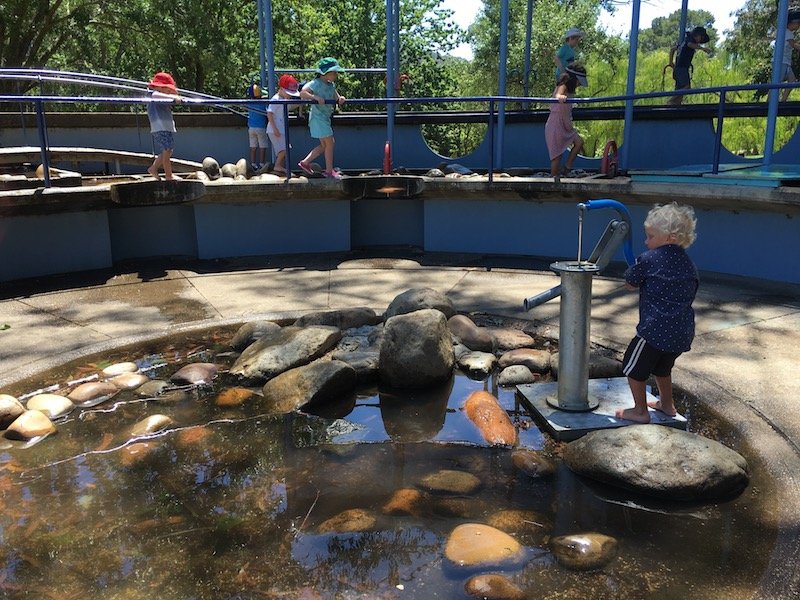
777, 71
288, 155
491, 141
718, 135
43, 143
630, 87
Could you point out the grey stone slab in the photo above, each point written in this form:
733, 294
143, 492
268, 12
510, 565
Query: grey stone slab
610, 395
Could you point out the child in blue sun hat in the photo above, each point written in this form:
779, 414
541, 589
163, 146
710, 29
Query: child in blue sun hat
322, 89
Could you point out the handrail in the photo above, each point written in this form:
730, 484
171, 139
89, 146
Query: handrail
192, 98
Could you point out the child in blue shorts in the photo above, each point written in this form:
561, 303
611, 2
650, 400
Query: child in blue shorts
162, 125
667, 282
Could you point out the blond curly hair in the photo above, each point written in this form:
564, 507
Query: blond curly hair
675, 220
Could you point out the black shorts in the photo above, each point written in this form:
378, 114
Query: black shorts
682, 78
642, 360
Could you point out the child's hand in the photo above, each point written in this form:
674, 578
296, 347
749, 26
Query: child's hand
320, 100
561, 97
341, 100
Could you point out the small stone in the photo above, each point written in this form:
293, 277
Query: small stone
405, 502
151, 388
529, 527
119, 369
510, 339
151, 424
516, 375
10, 409
538, 361
195, 374
92, 393
492, 586
211, 167
136, 454
584, 551
53, 405
129, 381
30, 424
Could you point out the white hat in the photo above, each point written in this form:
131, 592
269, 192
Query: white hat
573, 32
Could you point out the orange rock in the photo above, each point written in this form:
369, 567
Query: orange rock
405, 502
233, 396
490, 418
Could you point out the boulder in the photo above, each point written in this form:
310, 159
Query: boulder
416, 351
490, 418
285, 349
469, 334
319, 382
229, 170
365, 363
346, 318
659, 461
417, 299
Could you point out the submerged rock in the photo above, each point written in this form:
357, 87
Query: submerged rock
527, 526
417, 351
151, 424
448, 481
659, 461
406, 502
151, 388
493, 586
477, 545
490, 418
584, 551
532, 463
235, 396
349, 521
129, 381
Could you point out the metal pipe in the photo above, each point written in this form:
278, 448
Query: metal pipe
390, 107
269, 38
682, 24
501, 112
528, 35
545, 296
491, 141
262, 51
622, 210
573, 337
718, 133
581, 210
43, 144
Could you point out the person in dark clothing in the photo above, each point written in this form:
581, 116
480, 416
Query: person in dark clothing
667, 281
681, 68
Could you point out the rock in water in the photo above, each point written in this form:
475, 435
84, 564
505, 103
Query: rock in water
448, 481
53, 405
10, 409
30, 424
469, 334
250, 332
490, 418
584, 551
151, 424
533, 463
493, 586
475, 545
321, 381
195, 374
659, 461
349, 521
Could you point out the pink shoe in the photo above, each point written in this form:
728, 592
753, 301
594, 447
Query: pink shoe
333, 174
305, 167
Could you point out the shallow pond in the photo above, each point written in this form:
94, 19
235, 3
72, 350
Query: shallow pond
229, 502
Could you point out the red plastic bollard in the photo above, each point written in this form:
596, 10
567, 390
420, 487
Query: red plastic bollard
387, 159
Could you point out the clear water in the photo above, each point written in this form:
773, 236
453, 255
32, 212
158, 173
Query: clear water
229, 502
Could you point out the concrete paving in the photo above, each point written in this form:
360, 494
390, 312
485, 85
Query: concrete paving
744, 363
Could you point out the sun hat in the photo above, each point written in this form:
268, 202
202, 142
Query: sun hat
162, 79
289, 85
579, 72
328, 64
701, 31
573, 32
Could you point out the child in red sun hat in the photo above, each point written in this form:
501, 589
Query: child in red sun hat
162, 125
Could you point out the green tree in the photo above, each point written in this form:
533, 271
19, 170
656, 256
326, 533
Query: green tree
664, 31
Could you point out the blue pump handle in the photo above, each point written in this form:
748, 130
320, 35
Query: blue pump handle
627, 246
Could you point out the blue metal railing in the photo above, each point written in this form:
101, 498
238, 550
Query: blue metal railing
490, 101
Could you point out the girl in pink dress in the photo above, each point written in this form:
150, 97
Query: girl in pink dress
558, 131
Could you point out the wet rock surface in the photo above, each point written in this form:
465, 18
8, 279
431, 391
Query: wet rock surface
448, 481
474, 545
493, 586
10, 409
53, 405
314, 384
533, 464
584, 551
30, 424
490, 418
347, 318
660, 461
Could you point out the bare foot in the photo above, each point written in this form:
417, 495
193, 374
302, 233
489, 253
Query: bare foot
656, 404
174, 178
631, 414
153, 172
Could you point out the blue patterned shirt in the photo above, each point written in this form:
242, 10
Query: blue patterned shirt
667, 281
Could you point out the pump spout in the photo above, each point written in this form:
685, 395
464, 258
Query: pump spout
547, 295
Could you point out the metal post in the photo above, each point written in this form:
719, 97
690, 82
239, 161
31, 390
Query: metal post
528, 35
43, 143
262, 51
630, 88
390, 108
501, 112
682, 25
269, 38
288, 156
491, 141
774, 95
573, 337
718, 133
